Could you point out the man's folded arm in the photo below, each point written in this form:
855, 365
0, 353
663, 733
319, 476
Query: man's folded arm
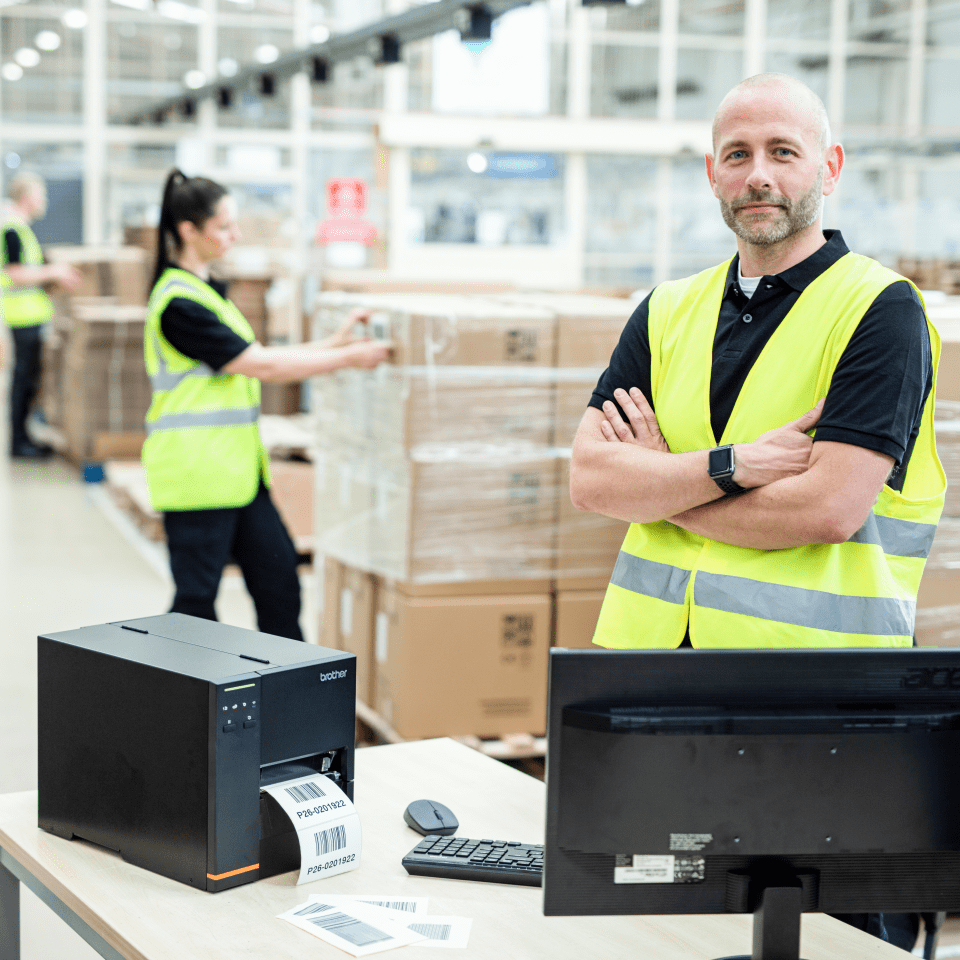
632, 482
826, 504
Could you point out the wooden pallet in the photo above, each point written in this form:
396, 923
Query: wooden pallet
127, 485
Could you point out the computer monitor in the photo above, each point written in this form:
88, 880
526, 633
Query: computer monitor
774, 782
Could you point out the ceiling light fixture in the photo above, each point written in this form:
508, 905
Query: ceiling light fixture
47, 40
27, 57
266, 53
74, 19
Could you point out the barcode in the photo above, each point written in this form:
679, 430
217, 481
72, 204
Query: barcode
335, 838
432, 931
309, 908
304, 792
406, 905
353, 931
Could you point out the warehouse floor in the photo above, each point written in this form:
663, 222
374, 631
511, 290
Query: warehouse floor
68, 559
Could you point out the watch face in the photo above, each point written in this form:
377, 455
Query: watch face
721, 462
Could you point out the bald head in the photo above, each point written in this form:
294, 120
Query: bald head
794, 94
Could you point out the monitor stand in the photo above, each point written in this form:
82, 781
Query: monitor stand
776, 925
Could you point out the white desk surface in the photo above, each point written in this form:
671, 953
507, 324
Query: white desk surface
148, 917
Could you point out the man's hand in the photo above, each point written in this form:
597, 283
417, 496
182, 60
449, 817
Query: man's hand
66, 275
643, 429
776, 454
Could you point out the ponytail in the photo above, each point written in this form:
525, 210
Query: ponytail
184, 198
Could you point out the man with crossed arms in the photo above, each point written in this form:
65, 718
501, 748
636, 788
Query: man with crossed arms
745, 530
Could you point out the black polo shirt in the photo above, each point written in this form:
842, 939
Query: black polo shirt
198, 333
13, 249
878, 390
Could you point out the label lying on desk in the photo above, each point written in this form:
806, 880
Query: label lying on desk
356, 928
327, 825
658, 869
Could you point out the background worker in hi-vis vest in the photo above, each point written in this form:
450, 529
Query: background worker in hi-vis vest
206, 467
745, 530
26, 306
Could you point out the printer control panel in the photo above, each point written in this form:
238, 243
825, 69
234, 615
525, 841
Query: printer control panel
238, 707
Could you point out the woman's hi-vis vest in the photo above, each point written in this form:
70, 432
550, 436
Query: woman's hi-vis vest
203, 447
861, 593
24, 306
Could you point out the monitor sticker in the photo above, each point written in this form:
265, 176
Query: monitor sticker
690, 841
659, 868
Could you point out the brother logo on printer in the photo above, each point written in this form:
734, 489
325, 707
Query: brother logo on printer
333, 675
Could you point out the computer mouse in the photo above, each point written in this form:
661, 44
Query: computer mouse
428, 816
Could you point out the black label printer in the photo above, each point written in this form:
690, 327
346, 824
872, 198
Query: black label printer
156, 736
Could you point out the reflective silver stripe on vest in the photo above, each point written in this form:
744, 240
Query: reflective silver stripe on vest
163, 379
898, 538
658, 580
816, 609
204, 418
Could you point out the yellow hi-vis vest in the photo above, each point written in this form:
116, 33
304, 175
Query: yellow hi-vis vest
859, 593
24, 306
203, 447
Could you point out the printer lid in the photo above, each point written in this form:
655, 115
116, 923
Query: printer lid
205, 649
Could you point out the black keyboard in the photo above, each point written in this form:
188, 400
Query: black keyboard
458, 858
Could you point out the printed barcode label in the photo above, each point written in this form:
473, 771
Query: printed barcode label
353, 931
408, 906
305, 792
327, 841
311, 908
432, 931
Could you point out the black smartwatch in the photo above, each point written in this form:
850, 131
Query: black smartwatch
720, 466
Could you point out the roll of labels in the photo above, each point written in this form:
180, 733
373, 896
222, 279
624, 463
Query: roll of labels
326, 822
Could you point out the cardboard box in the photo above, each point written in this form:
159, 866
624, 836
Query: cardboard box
329, 633
948, 449
575, 621
119, 272
948, 371
437, 330
462, 665
347, 619
468, 588
293, 494
355, 619
938, 609
453, 521
464, 521
588, 544
399, 407
106, 391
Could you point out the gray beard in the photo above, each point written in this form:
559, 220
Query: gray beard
797, 215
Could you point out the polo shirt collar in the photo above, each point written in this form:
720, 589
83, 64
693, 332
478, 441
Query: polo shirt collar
801, 275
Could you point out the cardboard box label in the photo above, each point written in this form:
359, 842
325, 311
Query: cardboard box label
517, 639
346, 611
381, 637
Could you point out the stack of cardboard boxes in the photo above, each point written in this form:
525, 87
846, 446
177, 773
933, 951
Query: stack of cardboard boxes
106, 391
95, 389
938, 605
440, 479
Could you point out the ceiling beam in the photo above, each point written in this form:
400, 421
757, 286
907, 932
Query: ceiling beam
373, 40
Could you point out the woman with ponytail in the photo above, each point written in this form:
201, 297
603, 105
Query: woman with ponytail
207, 470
